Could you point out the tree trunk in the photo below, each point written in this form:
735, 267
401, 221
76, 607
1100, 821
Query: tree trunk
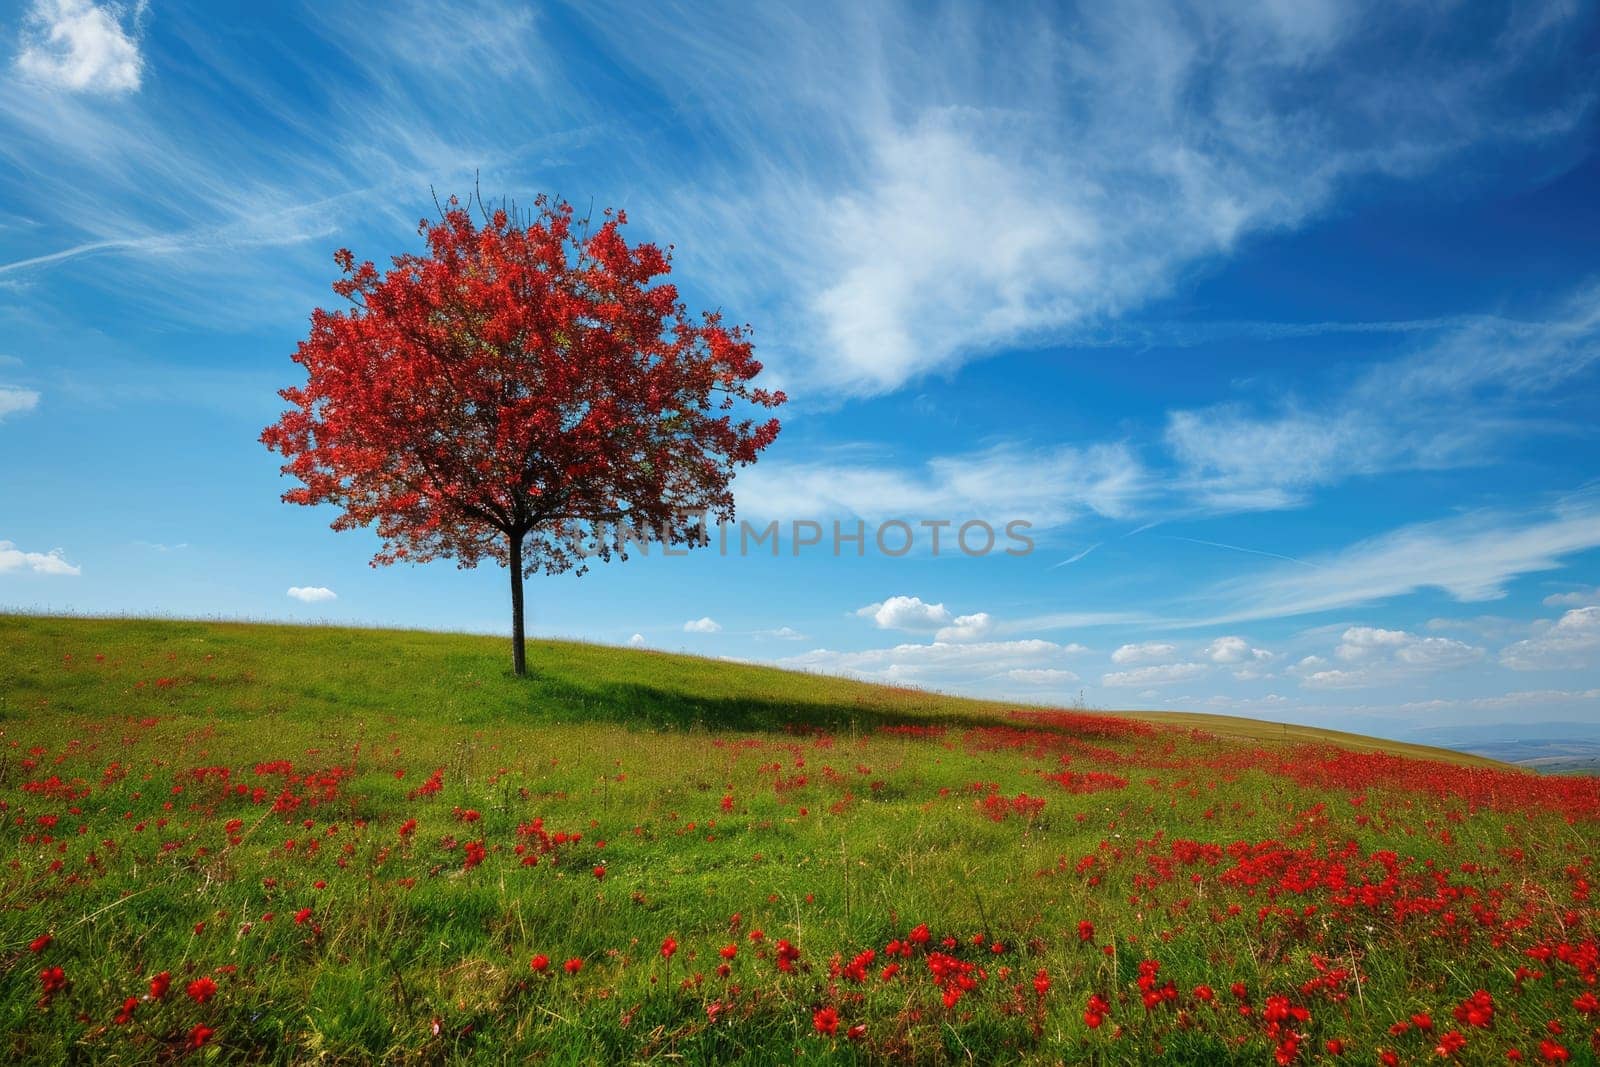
519, 652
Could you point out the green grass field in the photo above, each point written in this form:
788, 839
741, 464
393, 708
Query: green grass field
366, 840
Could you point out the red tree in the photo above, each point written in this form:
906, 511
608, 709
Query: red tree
521, 377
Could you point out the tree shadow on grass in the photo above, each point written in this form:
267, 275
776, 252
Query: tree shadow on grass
665, 708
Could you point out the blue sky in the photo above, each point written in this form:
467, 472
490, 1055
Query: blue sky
1279, 322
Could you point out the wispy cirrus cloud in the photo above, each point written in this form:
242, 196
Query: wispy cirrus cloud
1471, 557
1447, 403
1046, 486
933, 209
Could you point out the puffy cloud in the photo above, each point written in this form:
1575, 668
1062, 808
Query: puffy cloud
704, 625
905, 613
1160, 674
15, 400
13, 558
1233, 650
1572, 642
966, 628
82, 46
312, 594
1373, 656
782, 633
637, 640
1143, 652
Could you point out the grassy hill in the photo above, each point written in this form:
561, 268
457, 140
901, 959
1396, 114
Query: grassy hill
377, 845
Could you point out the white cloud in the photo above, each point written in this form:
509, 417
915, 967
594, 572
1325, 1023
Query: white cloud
782, 633
52, 562
933, 209
1442, 405
1232, 650
936, 663
1143, 652
1041, 676
1161, 674
905, 613
312, 594
1043, 486
1373, 656
637, 640
1572, 642
15, 400
704, 625
1472, 558
82, 46
1578, 598
966, 628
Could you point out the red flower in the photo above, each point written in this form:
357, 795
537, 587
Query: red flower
668, 947
540, 963
1552, 1051
201, 990
574, 965
54, 980
40, 943
1041, 982
1085, 930
301, 916
408, 828
159, 985
200, 1035
826, 1021
787, 954
1335, 1047
727, 952
1450, 1043
600, 873
125, 1016
475, 855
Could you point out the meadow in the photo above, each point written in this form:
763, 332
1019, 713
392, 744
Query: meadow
228, 842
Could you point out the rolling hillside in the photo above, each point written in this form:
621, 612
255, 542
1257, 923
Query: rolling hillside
275, 843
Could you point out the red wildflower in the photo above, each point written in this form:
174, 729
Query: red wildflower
1450, 1043
40, 943
159, 985
668, 947
200, 1035
408, 828
574, 965
1085, 930
787, 954
201, 990
301, 916
54, 980
125, 1016
1041, 982
540, 963
1552, 1051
727, 952
600, 873
826, 1021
